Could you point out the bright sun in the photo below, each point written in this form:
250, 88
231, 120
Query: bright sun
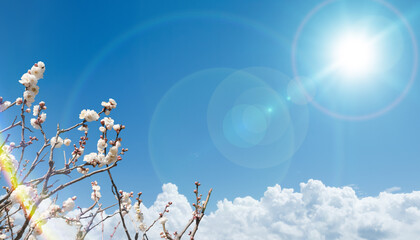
354, 55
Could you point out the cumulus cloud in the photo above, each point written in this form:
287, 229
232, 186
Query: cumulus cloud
314, 212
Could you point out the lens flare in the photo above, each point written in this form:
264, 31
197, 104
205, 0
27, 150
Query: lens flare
354, 54
22, 194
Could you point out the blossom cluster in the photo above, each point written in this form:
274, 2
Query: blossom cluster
96, 194
40, 117
139, 216
30, 81
24, 195
125, 199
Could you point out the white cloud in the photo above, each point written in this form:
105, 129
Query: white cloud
315, 212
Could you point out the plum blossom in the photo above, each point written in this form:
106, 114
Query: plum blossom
83, 128
112, 155
37, 71
108, 122
117, 127
29, 97
96, 195
88, 115
30, 81
94, 159
139, 214
78, 152
35, 123
126, 201
101, 145
19, 101
34, 89
111, 104
163, 220
58, 142
36, 110
68, 205
4, 105
53, 211
23, 194
83, 170
67, 142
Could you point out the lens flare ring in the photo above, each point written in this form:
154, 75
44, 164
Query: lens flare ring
381, 111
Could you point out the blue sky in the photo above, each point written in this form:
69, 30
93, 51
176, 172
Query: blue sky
190, 76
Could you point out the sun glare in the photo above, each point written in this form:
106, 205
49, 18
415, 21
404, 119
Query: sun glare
354, 55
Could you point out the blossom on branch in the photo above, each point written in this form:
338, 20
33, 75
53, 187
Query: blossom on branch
88, 115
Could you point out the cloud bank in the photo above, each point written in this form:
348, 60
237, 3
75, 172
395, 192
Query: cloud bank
315, 212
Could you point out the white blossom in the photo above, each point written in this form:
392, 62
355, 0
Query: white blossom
101, 145
80, 153
91, 158
163, 220
34, 89
4, 105
43, 117
108, 122
67, 142
37, 72
126, 201
28, 80
102, 129
88, 115
52, 211
114, 150
117, 127
41, 65
35, 123
36, 110
23, 194
139, 214
19, 101
68, 205
83, 128
111, 104
58, 142
101, 160
111, 158
96, 195
83, 170
29, 97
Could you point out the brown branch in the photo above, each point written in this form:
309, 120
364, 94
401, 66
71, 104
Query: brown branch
10, 127
119, 204
80, 178
198, 219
